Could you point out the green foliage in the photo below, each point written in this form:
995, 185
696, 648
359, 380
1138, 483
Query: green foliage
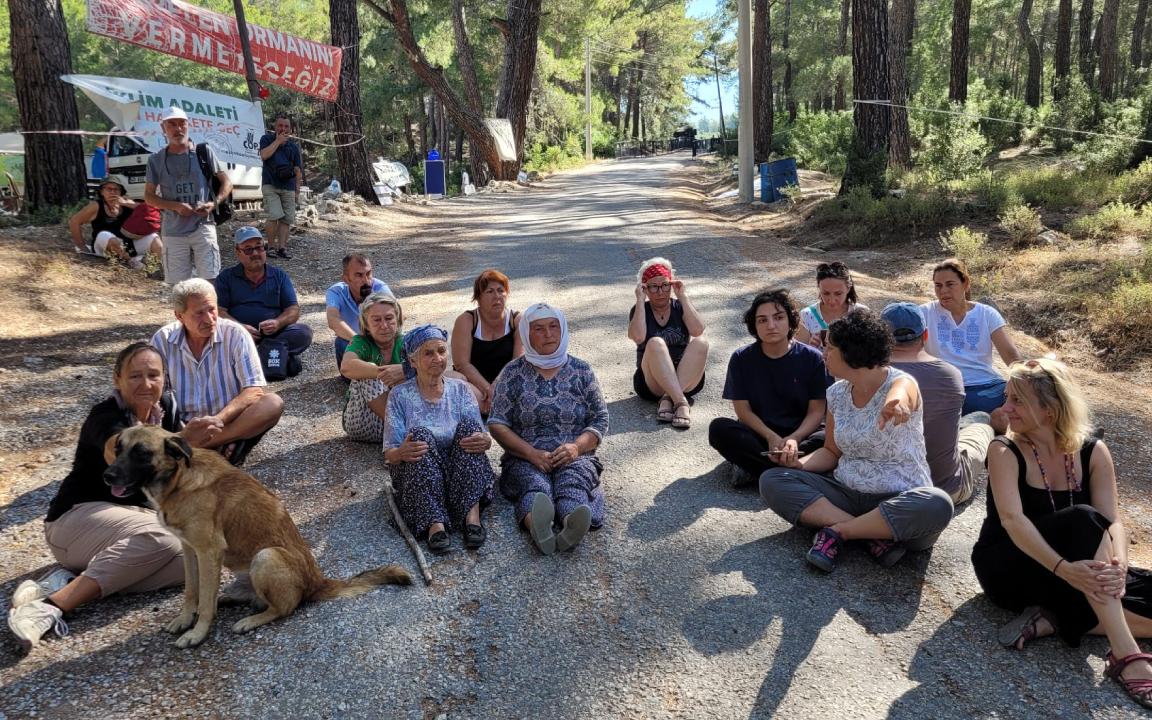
954, 146
964, 244
555, 157
1112, 221
1076, 110
872, 220
818, 141
55, 215
1111, 154
997, 103
1022, 223
1135, 186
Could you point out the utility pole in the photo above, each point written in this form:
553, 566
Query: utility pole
587, 99
744, 46
246, 46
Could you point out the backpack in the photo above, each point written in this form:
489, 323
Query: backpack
223, 211
144, 220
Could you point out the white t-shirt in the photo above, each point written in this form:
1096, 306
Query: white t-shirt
812, 321
967, 346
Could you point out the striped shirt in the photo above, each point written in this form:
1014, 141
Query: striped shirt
228, 364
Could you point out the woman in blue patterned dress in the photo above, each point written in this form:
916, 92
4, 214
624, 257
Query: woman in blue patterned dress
434, 444
549, 416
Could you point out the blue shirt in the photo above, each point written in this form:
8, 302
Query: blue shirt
777, 390
253, 305
286, 154
340, 297
99, 163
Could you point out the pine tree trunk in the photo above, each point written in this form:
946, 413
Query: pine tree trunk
467, 65
1085, 51
519, 66
899, 142
1135, 53
1062, 59
422, 106
53, 164
788, 99
1032, 84
762, 81
408, 137
870, 123
1109, 50
958, 74
351, 160
842, 49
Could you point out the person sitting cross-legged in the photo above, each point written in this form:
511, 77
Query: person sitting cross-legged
373, 363
670, 350
261, 298
343, 300
881, 491
777, 387
215, 372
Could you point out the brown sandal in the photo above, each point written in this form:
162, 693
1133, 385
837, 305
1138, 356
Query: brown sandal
1139, 689
1025, 626
681, 422
664, 414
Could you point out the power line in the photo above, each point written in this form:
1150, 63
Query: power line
622, 50
606, 57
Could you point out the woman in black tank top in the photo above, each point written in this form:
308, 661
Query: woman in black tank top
484, 340
1052, 546
108, 213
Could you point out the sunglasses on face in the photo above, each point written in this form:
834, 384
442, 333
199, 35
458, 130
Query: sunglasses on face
252, 250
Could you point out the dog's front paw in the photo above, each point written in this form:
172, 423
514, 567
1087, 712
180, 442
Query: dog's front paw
182, 622
192, 638
245, 624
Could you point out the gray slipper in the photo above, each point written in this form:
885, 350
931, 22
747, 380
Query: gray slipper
540, 523
575, 529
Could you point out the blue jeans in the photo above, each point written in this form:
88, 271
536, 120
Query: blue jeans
984, 398
341, 346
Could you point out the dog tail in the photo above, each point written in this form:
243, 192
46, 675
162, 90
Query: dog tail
361, 583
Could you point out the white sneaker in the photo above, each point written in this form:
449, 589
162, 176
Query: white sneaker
136, 263
32, 620
32, 590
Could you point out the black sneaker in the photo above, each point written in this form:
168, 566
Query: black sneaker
886, 552
825, 547
283, 252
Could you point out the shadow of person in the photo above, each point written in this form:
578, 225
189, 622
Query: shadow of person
963, 672
805, 601
684, 501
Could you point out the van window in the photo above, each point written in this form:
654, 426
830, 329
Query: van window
122, 146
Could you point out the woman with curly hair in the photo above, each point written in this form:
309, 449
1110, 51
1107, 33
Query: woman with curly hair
881, 489
670, 350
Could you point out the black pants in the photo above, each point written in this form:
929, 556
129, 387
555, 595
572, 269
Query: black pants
740, 445
1013, 580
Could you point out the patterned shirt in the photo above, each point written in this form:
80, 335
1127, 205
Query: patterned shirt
407, 409
891, 460
548, 413
228, 364
968, 346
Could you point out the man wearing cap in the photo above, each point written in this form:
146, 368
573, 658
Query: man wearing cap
107, 214
261, 298
956, 446
175, 185
280, 183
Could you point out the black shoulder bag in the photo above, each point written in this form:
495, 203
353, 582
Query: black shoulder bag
223, 211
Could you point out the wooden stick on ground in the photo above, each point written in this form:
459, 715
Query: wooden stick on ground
389, 493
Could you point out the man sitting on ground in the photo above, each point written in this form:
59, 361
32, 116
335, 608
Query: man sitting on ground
214, 372
261, 298
344, 298
956, 446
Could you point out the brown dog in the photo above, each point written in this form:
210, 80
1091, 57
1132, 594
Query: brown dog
223, 516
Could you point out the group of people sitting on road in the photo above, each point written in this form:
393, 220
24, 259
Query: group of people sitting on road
865, 426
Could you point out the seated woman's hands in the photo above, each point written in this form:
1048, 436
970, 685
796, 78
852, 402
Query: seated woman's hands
789, 453
563, 455
476, 443
1095, 578
411, 450
390, 375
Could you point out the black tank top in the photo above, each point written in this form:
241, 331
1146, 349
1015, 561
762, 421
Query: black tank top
105, 222
490, 356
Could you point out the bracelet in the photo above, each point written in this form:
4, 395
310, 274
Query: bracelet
1057, 567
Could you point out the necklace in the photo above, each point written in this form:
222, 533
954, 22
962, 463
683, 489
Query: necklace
1069, 474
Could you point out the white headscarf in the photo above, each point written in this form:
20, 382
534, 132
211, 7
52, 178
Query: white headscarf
541, 311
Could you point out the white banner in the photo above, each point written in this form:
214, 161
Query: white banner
231, 126
505, 140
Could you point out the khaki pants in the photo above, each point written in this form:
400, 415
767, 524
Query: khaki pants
197, 252
279, 204
123, 548
973, 443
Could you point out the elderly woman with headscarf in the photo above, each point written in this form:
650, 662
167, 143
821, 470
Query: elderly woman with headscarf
670, 350
549, 415
434, 443
373, 365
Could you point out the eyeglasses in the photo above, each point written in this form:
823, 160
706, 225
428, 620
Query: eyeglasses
252, 250
666, 287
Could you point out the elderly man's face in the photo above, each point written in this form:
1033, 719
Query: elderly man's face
251, 254
176, 130
199, 316
282, 126
359, 279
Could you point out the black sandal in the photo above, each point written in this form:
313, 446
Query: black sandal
474, 536
439, 543
1025, 626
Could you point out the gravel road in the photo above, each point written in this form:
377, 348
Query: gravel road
692, 602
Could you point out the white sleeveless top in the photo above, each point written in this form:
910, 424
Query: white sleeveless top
891, 460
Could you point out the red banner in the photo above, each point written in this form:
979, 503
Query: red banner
193, 33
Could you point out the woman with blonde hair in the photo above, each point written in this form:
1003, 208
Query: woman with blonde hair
1052, 546
373, 365
670, 350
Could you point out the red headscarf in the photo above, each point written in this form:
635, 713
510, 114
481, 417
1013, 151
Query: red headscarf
655, 270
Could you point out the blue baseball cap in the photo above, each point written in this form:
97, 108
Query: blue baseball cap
907, 321
248, 233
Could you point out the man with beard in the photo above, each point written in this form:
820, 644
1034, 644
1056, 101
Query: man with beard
344, 298
175, 184
214, 371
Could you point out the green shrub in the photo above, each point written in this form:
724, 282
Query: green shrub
1022, 223
55, 214
955, 147
1051, 187
1111, 155
1113, 220
991, 192
817, 141
1135, 186
998, 103
965, 244
873, 220
1076, 111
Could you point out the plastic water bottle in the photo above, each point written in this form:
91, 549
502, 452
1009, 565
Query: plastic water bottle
334, 188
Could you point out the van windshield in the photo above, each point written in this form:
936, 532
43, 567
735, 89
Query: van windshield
122, 146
